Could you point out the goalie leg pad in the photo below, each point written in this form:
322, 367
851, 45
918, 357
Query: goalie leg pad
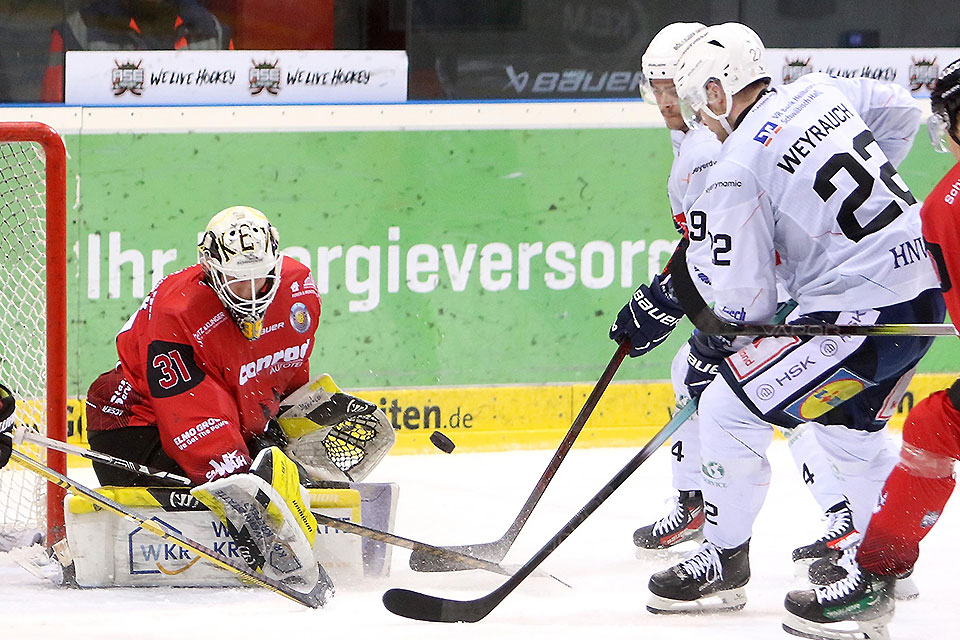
267, 514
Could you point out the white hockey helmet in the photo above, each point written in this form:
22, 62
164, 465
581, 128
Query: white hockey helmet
659, 61
729, 53
240, 255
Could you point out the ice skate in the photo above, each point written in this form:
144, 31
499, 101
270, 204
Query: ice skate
840, 535
710, 580
684, 522
855, 608
827, 571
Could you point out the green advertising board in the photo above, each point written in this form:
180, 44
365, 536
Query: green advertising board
446, 256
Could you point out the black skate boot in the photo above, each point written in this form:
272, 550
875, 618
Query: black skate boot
684, 522
840, 534
827, 571
863, 601
710, 580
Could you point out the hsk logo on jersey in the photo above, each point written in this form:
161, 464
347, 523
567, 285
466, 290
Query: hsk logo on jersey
766, 133
281, 359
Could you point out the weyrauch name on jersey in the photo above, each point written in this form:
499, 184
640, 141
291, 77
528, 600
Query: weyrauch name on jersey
828, 122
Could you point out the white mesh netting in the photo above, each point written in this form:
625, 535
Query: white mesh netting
23, 326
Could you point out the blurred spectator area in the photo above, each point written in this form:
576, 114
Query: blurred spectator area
25, 29
277, 24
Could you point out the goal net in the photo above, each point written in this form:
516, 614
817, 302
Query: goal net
33, 320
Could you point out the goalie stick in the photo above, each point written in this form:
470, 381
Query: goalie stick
497, 550
704, 319
420, 606
172, 479
160, 530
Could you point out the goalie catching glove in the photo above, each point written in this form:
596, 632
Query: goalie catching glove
649, 317
334, 436
7, 406
267, 514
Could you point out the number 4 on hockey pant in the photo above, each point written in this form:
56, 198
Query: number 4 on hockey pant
267, 515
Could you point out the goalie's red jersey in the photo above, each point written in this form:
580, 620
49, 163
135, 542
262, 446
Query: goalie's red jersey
206, 387
941, 231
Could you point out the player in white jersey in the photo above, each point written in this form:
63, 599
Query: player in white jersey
801, 180
695, 151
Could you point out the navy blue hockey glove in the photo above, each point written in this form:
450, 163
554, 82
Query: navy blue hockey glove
649, 317
7, 405
703, 361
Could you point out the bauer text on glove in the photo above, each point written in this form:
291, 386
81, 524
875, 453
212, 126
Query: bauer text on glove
649, 317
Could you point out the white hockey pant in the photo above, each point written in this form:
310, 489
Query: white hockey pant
736, 472
685, 442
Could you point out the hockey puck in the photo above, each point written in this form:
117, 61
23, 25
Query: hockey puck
442, 442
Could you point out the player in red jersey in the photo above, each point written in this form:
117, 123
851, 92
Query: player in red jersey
206, 359
920, 485
204, 364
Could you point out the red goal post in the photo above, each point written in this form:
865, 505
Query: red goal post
33, 314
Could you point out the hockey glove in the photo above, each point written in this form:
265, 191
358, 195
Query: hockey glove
649, 317
7, 406
703, 361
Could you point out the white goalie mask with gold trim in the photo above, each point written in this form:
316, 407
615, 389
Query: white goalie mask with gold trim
240, 256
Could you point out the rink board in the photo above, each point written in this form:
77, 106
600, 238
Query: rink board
533, 417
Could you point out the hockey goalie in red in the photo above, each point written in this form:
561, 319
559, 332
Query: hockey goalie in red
204, 365
918, 488
211, 352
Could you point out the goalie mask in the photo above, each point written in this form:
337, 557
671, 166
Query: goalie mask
240, 257
730, 54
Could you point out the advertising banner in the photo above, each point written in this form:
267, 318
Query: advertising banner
469, 276
914, 69
234, 77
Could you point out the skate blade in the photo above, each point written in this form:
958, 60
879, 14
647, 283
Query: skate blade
905, 589
875, 629
719, 602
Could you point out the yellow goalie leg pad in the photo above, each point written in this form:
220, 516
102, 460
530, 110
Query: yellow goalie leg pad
282, 474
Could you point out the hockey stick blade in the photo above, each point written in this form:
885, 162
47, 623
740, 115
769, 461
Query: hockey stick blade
497, 550
421, 606
705, 320
442, 554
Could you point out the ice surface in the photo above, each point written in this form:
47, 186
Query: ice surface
471, 498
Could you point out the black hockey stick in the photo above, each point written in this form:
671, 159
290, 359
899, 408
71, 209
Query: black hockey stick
420, 606
165, 532
166, 478
497, 550
704, 319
